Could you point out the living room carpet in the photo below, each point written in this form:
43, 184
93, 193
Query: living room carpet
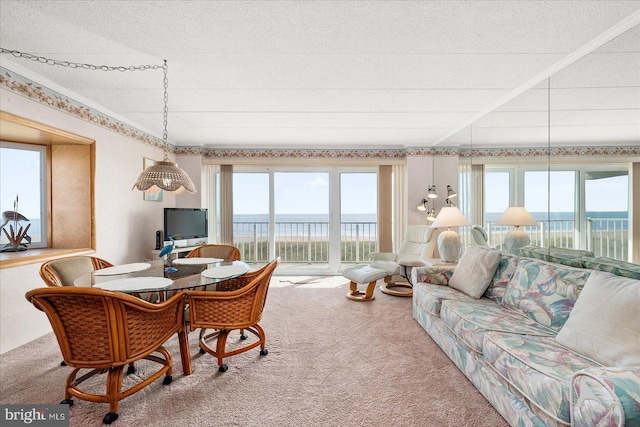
331, 362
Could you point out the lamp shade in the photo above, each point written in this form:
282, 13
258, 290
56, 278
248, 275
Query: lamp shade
450, 216
516, 216
164, 175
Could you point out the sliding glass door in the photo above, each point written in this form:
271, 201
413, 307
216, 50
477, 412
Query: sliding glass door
301, 215
313, 219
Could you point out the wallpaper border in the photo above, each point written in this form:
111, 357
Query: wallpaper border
35, 91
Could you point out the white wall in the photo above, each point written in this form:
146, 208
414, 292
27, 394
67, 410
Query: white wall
125, 223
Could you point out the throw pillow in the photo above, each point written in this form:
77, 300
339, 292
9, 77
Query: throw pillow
603, 324
474, 271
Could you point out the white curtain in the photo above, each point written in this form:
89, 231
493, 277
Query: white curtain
209, 199
471, 198
400, 199
226, 204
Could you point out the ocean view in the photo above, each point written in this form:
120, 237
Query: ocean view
289, 222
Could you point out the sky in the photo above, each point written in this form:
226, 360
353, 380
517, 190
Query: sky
17, 178
601, 195
303, 193
308, 192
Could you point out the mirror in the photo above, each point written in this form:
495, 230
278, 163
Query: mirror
594, 102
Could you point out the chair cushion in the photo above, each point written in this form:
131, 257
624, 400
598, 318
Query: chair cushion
391, 267
537, 367
475, 271
471, 320
362, 273
545, 292
605, 321
430, 296
69, 269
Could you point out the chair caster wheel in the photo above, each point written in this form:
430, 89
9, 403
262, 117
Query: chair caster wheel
63, 363
243, 337
131, 369
110, 417
67, 402
223, 368
167, 380
264, 352
202, 351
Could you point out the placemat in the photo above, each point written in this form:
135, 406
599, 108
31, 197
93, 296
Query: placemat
134, 284
196, 261
122, 269
224, 271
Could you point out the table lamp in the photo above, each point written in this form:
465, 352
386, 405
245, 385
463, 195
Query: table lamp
516, 238
448, 241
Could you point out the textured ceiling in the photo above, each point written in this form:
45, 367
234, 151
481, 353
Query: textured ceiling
321, 74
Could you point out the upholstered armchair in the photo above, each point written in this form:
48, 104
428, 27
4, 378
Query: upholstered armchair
479, 235
418, 244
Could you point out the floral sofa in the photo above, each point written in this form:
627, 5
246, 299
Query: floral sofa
545, 343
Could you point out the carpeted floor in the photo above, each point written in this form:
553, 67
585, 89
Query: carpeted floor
331, 362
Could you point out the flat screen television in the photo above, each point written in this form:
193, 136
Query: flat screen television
185, 223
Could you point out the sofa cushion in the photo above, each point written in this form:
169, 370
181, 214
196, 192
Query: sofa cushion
565, 256
605, 321
435, 275
615, 266
503, 274
471, 320
474, 271
429, 297
545, 292
538, 367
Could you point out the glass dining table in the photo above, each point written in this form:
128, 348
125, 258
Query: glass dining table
155, 281
155, 276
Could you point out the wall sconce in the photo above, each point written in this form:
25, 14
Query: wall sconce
451, 193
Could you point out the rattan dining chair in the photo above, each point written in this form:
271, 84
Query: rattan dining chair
238, 307
105, 330
225, 252
62, 272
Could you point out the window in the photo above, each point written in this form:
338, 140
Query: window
314, 218
583, 207
23, 177
60, 200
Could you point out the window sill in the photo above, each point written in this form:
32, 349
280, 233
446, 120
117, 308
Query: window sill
38, 255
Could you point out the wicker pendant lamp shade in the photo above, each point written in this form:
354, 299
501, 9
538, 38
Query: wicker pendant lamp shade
164, 175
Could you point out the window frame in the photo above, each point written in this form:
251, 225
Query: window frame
44, 187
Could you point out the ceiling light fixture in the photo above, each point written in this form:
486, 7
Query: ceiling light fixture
165, 174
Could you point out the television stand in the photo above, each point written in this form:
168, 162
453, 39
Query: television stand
180, 252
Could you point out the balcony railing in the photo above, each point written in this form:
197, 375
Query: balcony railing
608, 237
605, 236
304, 242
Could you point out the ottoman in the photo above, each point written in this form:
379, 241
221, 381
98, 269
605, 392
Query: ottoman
361, 274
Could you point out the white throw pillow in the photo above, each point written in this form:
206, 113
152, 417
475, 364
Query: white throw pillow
604, 324
474, 271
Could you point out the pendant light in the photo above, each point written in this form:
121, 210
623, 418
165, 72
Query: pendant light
164, 175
